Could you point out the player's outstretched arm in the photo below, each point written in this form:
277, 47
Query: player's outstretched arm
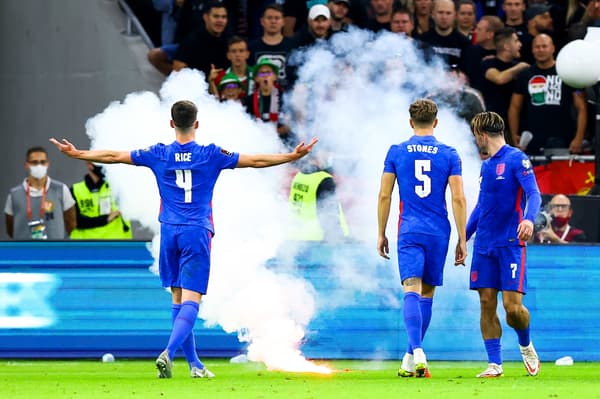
266, 160
101, 156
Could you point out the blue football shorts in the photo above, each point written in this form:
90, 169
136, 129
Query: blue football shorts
184, 256
502, 268
423, 256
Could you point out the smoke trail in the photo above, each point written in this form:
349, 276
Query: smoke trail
354, 94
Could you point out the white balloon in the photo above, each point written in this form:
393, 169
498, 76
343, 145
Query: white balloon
578, 63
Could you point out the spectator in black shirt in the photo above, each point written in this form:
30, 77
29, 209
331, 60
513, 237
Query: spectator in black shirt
539, 20
501, 71
484, 47
273, 45
318, 27
339, 15
382, 15
444, 40
514, 11
545, 104
208, 47
402, 22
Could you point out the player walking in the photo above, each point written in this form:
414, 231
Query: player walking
423, 167
503, 218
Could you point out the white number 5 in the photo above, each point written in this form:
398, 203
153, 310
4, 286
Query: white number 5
184, 180
422, 166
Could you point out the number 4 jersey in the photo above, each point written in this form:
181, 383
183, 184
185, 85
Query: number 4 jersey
186, 175
422, 166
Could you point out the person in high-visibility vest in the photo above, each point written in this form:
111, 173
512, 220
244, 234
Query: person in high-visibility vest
97, 214
316, 210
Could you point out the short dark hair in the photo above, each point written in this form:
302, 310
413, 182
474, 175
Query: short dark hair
273, 6
213, 4
503, 35
489, 123
398, 9
35, 149
184, 114
423, 112
468, 2
235, 40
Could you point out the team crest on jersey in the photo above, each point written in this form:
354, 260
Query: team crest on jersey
225, 152
500, 168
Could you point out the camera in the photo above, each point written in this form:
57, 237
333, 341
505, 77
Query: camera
542, 221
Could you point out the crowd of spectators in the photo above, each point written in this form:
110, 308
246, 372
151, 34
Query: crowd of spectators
504, 51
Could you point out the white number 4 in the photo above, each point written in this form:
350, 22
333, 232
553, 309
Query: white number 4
422, 166
184, 180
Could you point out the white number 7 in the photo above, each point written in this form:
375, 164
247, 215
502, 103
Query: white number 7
421, 166
513, 269
184, 180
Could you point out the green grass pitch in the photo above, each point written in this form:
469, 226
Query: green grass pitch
352, 379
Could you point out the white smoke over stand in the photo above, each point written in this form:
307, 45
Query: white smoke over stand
354, 96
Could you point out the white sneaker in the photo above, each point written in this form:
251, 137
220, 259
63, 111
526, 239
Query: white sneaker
408, 366
195, 372
530, 359
493, 370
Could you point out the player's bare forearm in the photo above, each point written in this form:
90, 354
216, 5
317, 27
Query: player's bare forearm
266, 160
459, 206
385, 201
383, 214
101, 156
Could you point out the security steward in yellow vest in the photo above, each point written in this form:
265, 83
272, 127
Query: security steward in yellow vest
317, 212
97, 214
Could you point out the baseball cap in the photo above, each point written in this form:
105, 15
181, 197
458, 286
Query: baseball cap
536, 9
319, 10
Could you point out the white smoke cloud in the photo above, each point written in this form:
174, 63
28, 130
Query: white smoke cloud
354, 95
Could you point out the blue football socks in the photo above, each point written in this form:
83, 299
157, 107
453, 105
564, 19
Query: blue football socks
493, 349
523, 336
182, 326
425, 304
189, 344
413, 319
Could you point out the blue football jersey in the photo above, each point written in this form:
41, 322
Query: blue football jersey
186, 175
508, 194
422, 166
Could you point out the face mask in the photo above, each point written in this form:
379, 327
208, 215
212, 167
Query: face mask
560, 221
38, 171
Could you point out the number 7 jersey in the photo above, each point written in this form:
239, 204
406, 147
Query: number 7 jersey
186, 175
422, 166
